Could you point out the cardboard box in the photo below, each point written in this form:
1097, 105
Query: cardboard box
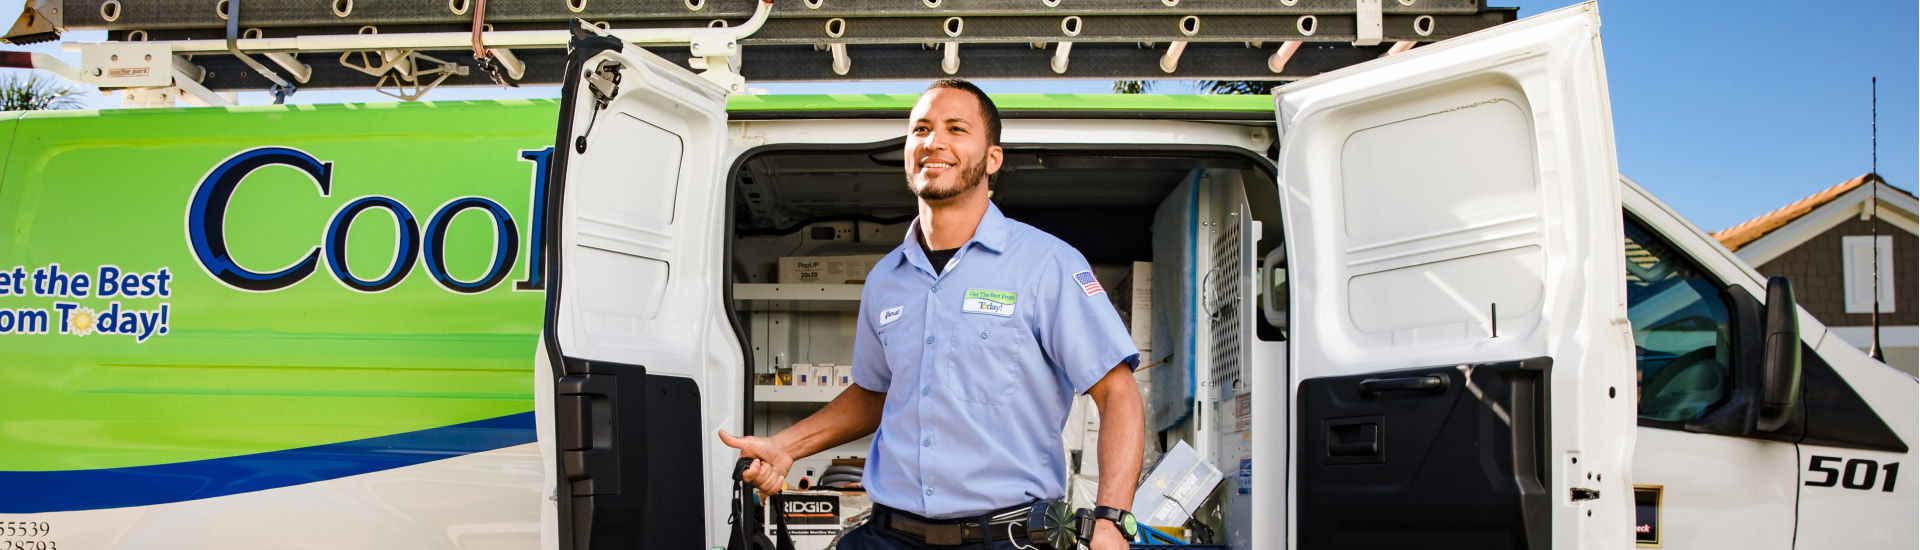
823, 374
1140, 309
1132, 296
826, 270
803, 374
1177, 486
814, 518
843, 375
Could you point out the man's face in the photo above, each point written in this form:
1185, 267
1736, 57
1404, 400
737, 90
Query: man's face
947, 153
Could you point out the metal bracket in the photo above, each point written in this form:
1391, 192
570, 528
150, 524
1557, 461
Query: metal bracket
718, 52
196, 93
185, 67
151, 98
1368, 23
515, 68
299, 71
126, 65
604, 84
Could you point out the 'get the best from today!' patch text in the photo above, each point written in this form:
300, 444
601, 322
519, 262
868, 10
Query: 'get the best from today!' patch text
79, 309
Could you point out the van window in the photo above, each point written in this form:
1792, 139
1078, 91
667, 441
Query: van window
1681, 335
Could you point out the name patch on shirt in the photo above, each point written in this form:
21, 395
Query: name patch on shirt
989, 302
889, 315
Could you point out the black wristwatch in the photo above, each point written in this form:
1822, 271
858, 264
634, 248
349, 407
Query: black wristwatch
1120, 518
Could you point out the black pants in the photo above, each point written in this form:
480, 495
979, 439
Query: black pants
875, 534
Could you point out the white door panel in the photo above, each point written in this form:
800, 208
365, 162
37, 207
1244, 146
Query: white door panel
634, 367
639, 278
1718, 491
1453, 215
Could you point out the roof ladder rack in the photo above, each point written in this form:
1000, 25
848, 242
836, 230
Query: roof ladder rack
788, 40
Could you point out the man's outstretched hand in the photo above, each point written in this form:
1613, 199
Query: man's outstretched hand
767, 473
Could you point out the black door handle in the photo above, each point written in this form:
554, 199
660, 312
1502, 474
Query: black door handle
1430, 383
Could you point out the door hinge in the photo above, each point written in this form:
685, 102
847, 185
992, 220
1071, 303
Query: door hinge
1581, 493
604, 83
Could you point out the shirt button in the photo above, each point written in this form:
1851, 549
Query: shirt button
929, 491
927, 390
983, 334
928, 442
936, 288
929, 339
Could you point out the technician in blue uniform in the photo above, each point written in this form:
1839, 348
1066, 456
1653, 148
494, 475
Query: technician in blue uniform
974, 336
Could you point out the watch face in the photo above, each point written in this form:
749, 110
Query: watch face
1127, 525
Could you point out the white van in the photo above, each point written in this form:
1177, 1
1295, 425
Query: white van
1416, 307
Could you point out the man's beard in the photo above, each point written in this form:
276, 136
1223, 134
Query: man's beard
970, 177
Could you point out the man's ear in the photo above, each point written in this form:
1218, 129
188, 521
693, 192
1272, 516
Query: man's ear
994, 157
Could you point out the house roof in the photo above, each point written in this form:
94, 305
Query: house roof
1751, 230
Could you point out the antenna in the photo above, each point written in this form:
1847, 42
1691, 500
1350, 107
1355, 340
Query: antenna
1873, 222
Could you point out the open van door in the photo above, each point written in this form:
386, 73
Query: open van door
1461, 356
636, 348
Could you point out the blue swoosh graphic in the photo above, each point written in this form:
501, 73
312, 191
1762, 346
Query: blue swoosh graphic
70, 490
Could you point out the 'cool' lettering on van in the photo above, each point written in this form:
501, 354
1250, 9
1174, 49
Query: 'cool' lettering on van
206, 230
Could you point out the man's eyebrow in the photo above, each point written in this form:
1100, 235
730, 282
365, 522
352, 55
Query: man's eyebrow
954, 119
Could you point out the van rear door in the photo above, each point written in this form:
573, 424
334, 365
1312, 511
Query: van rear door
1461, 357
635, 351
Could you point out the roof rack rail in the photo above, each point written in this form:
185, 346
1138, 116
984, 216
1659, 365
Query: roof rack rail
410, 47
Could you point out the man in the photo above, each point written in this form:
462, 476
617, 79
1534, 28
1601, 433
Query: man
973, 337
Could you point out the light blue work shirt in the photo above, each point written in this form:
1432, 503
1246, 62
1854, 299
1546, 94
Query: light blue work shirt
980, 365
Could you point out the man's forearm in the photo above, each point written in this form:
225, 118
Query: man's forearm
1122, 435
853, 414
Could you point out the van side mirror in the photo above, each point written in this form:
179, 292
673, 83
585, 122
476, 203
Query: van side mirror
1780, 359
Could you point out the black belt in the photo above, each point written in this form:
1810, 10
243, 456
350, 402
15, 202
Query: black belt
1000, 525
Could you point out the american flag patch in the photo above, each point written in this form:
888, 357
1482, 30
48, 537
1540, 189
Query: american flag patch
1088, 283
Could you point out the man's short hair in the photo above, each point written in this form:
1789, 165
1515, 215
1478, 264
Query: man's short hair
987, 109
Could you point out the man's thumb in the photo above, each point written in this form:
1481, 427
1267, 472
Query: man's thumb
730, 440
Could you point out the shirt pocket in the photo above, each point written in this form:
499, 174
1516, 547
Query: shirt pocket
986, 357
901, 348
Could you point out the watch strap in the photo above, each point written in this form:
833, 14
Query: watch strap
1119, 517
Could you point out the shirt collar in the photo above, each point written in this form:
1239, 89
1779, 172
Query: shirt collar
990, 234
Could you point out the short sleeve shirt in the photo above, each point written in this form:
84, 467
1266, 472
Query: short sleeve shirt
980, 365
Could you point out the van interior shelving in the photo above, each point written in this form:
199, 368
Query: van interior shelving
849, 200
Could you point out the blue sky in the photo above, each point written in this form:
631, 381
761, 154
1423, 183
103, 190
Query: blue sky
1725, 110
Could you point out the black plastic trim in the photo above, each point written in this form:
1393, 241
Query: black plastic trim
1835, 415
580, 50
1466, 466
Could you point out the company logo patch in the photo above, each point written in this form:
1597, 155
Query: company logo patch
989, 302
889, 315
1088, 283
